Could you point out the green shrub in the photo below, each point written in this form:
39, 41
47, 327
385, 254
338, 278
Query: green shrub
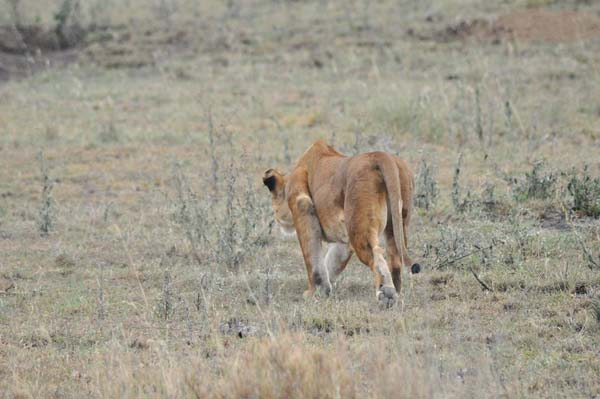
68, 29
537, 184
426, 187
585, 191
47, 203
461, 204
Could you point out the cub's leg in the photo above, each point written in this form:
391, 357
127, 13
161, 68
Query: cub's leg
336, 259
308, 230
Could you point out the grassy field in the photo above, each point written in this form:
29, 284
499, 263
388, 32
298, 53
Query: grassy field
137, 252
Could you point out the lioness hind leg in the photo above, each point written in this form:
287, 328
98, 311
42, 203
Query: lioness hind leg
393, 258
372, 255
385, 289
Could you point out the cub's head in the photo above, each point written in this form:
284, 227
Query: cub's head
276, 182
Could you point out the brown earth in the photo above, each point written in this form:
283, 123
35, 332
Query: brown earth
538, 25
550, 26
17, 66
25, 50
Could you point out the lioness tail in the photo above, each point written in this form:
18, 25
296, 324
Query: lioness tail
389, 171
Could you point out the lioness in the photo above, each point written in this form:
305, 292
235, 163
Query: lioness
351, 203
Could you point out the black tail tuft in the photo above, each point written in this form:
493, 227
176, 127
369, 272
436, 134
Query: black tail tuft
416, 268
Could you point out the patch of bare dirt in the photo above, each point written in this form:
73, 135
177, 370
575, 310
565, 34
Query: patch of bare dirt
550, 26
553, 219
25, 50
18, 66
536, 25
26, 39
120, 47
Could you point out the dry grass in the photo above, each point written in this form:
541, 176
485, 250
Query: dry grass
153, 279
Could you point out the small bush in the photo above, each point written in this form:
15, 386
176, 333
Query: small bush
489, 202
46, 206
585, 191
461, 204
427, 190
67, 27
108, 133
165, 306
593, 261
537, 184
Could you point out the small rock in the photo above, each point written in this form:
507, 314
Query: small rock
6, 285
64, 261
139, 343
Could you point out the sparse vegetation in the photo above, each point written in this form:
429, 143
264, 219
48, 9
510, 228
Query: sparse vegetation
225, 230
585, 191
159, 272
537, 184
46, 210
426, 191
108, 133
461, 204
67, 24
592, 260
15, 12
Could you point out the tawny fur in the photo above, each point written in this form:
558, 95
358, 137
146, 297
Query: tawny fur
349, 201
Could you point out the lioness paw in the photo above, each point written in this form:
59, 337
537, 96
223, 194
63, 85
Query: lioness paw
387, 296
322, 283
308, 294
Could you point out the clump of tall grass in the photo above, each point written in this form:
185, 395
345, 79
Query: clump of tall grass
46, 211
585, 191
288, 366
461, 203
67, 27
536, 184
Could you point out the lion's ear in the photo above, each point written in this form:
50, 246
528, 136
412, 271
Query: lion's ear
270, 182
272, 179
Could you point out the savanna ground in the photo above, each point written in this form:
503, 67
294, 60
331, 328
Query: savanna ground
137, 255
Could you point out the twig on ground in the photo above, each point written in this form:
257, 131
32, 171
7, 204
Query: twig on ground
483, 285
450, 261
476, 250
592, 263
